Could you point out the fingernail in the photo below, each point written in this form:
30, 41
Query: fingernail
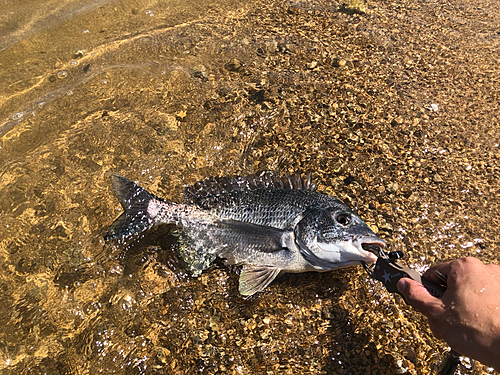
402, 285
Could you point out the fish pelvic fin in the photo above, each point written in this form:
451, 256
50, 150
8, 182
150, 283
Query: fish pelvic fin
140, 209
255, 279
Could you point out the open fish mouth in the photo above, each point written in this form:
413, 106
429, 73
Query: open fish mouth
373, 245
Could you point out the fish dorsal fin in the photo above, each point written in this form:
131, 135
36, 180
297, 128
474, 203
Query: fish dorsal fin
295, 181
264, 180
255, 279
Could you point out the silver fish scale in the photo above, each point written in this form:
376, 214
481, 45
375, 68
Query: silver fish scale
278, 208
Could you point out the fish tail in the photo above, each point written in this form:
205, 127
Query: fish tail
140, 209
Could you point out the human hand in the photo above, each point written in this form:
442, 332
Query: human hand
467, 316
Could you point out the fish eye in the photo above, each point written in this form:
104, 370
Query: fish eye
343, 219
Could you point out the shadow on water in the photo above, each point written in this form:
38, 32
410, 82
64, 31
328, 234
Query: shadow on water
132, 254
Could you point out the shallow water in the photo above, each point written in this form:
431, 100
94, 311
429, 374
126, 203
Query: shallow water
396, 112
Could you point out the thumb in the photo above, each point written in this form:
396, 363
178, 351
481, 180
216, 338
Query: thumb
417, 296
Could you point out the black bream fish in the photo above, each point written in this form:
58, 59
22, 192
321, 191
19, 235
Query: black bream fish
266, 223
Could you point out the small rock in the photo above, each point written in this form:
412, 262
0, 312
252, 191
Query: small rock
233, 66
312, 65
385, 226
354, 7
181, 115
349, 180
432, 107
272, 46
163, 355
393, 187
356, 63
437, 178
339, 167
214, 323
204, 279
78, 54
387, 207
201, 73
338, 63
397, 121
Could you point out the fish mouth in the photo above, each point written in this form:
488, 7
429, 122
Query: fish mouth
373, 245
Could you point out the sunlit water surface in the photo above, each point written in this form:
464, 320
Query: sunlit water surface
395, 111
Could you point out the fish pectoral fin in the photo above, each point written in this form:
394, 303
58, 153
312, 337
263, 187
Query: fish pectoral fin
261, 238
256, 279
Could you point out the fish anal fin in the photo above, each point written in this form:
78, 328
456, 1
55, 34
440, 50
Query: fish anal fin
255, 279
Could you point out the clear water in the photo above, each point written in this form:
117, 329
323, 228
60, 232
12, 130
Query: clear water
396, 112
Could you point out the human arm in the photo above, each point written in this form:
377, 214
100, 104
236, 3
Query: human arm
467, 316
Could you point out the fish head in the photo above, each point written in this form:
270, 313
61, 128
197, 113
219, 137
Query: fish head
336, 237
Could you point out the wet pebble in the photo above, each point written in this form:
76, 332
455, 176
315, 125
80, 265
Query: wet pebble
338, 62
312, 65
233, 66
354, 7
397, 120
17, 116
201, 73
271, 46
437, 178
393, 187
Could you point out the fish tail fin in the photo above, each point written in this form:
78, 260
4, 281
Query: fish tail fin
138, 212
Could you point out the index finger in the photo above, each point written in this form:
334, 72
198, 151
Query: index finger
419, 297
